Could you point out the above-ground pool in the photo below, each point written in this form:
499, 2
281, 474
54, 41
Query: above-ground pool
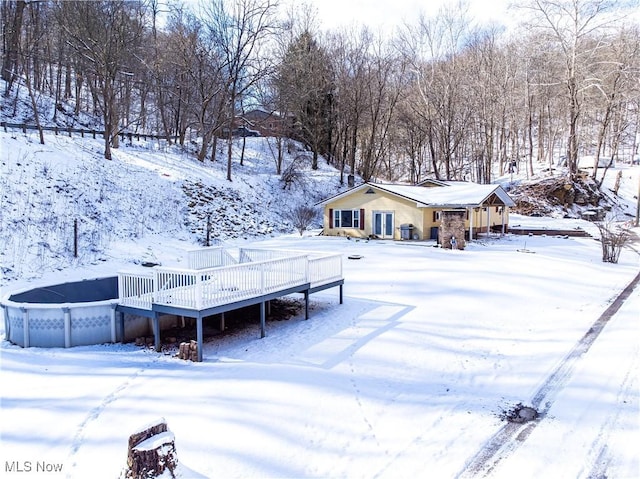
63, 315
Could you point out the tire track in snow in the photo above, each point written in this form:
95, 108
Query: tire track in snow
511, 435
94, 414
599, 448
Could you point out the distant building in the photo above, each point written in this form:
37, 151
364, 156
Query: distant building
264, 123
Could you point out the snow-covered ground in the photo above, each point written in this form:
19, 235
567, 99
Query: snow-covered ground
411, 377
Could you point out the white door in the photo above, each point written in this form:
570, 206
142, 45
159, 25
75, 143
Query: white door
383, 224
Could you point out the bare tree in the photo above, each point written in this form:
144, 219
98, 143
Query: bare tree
12, 15
238, 29
302, 217
574, 27
105, 35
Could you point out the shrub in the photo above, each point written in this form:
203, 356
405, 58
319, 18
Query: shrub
302, 217
613, 238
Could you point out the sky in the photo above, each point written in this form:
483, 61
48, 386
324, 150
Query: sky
386, 14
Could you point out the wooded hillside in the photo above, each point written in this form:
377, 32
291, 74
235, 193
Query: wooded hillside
442, 97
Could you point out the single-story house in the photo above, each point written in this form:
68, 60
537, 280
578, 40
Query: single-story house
398, 211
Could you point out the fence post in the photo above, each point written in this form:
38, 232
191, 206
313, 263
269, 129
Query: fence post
208, 229
75, 238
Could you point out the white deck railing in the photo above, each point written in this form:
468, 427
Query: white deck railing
259, 272
325, 269
136, 289
213, 257
206, 288
248, 255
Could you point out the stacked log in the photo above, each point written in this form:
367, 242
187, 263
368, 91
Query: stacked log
151, 452
188, 351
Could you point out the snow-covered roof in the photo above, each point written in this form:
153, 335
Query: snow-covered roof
444, 194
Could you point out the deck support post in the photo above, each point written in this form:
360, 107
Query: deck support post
156, 331
222, 322
262, 320
306, 304
341, 294
199, 336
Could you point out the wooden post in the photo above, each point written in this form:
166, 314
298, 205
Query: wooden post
208, 229
262, 320
75, 238
306, 304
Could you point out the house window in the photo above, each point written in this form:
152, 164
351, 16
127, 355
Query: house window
346, 218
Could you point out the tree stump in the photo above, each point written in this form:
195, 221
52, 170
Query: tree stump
152, 451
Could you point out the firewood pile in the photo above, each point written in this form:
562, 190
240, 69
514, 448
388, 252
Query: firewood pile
543, 197
188, 351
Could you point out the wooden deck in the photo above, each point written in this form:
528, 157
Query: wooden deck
215, 282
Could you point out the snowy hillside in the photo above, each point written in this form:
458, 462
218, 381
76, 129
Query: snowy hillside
148, 190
